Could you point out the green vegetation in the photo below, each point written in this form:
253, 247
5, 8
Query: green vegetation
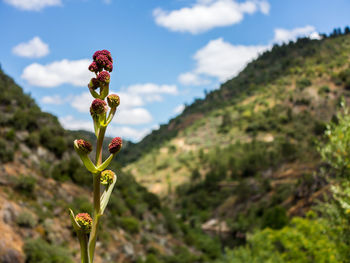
303, 240
39, 251
20, 112
246, 156
26, 219
25, 184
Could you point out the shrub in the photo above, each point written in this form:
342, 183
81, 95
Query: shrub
336, 150
33, 140
323, 90
152, 200
39, 251
303, 240
303, 83
26, 219
56, 143
275, 218
10, 135
6, 153
25, 184
170, 221
130, 224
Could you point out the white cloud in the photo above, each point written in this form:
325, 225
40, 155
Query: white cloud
285, 35
151, 88
74, 72
128, 100
127, 132
179, 109
82, 102
208, 14
33, 5
192, 79
140, 94
34, 48
222, 60
71, 123
55, 99
132, 116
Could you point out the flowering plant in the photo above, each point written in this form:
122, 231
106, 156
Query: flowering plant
102, 113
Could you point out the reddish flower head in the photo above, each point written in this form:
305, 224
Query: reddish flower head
98, 106
115, 145
104, 77
102, 60
107, 54
83, 146
109, 67
85, 221
94, 67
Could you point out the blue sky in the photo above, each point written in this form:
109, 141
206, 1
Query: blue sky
166, 53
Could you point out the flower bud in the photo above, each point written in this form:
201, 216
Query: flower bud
107, 177
113, 100
102, 60
94, 67
115, 145
83, 146
85, 222
96, 54
109, 67
98, 107
107, 54
94, 84
104, 77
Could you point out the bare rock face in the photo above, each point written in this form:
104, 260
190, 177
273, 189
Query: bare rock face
11, 256
9, 213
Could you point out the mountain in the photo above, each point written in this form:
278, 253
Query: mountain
41, 177
245, 156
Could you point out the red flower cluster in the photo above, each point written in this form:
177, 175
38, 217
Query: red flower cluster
115, 145
84, 146
98, 107
104, 77
102, 60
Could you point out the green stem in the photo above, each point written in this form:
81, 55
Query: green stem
83, 248
97, 196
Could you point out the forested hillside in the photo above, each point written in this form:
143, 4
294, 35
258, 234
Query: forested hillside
246, 156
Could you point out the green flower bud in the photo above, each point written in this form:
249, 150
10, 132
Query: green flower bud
113, 100
107, 177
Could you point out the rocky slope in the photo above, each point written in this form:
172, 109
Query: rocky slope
40, 178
